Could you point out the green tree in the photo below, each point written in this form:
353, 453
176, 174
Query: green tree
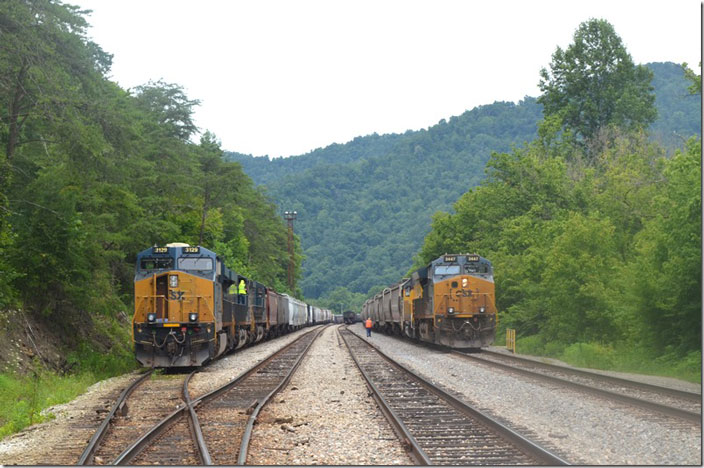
171, 107
696, 80
666, 273
46, 64
594, 83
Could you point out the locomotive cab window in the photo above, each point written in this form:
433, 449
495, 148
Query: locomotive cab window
447, 270
476, 268
156, 263
203, 263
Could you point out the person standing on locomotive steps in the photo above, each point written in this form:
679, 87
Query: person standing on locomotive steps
368, 326
241, 292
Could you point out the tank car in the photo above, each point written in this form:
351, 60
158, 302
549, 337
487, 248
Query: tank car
449, 302
349, 317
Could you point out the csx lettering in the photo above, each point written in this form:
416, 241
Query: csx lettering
176, 295
463, 293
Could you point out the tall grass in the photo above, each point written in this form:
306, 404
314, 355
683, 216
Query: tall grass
23, 397
620, 357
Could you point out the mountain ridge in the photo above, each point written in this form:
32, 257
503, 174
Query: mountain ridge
365, 206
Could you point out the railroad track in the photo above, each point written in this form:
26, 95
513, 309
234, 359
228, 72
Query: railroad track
672, 403
437, 428
207, 430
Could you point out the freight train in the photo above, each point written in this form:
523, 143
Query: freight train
350, 317
189, 308
448, 302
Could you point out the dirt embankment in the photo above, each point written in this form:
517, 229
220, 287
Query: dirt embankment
28, 341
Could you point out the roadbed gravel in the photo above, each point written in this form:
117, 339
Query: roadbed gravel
582, 429
326, 416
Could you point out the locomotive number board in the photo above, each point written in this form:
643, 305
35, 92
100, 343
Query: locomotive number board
160, 250
191, 250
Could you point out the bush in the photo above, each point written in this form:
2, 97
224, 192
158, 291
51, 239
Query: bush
534, 345
101, 365
690, 368
554, 349
591, 355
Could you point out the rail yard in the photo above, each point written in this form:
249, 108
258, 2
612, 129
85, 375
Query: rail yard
323, 411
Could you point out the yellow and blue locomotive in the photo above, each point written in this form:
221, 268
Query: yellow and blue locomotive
190, 308
449, 302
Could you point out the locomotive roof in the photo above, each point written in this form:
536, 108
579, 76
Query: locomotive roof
448, 259
460, 259
179, 250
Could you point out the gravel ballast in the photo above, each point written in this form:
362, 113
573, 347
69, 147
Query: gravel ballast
325, 415
581, 429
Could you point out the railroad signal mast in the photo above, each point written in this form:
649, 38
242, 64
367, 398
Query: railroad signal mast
290, 216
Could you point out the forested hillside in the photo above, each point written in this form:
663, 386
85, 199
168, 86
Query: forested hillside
91, 174
365, 206
593, 230
361, 222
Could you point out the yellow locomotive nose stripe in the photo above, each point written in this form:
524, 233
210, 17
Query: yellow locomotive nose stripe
172, 324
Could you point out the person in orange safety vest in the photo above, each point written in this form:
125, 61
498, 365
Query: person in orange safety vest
368, 326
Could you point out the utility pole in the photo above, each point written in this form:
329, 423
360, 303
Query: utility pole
290, 216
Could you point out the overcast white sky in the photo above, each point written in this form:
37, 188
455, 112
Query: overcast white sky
283, 77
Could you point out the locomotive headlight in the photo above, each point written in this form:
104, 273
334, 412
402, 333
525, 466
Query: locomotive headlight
151, 318
464, 282
482, 310
173, 281
193, 317
450, 310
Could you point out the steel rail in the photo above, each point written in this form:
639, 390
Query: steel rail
541, 454
410, 442
691, 396
244, 445
224, 388
146, 439
195, 425
663, 409
86, 457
